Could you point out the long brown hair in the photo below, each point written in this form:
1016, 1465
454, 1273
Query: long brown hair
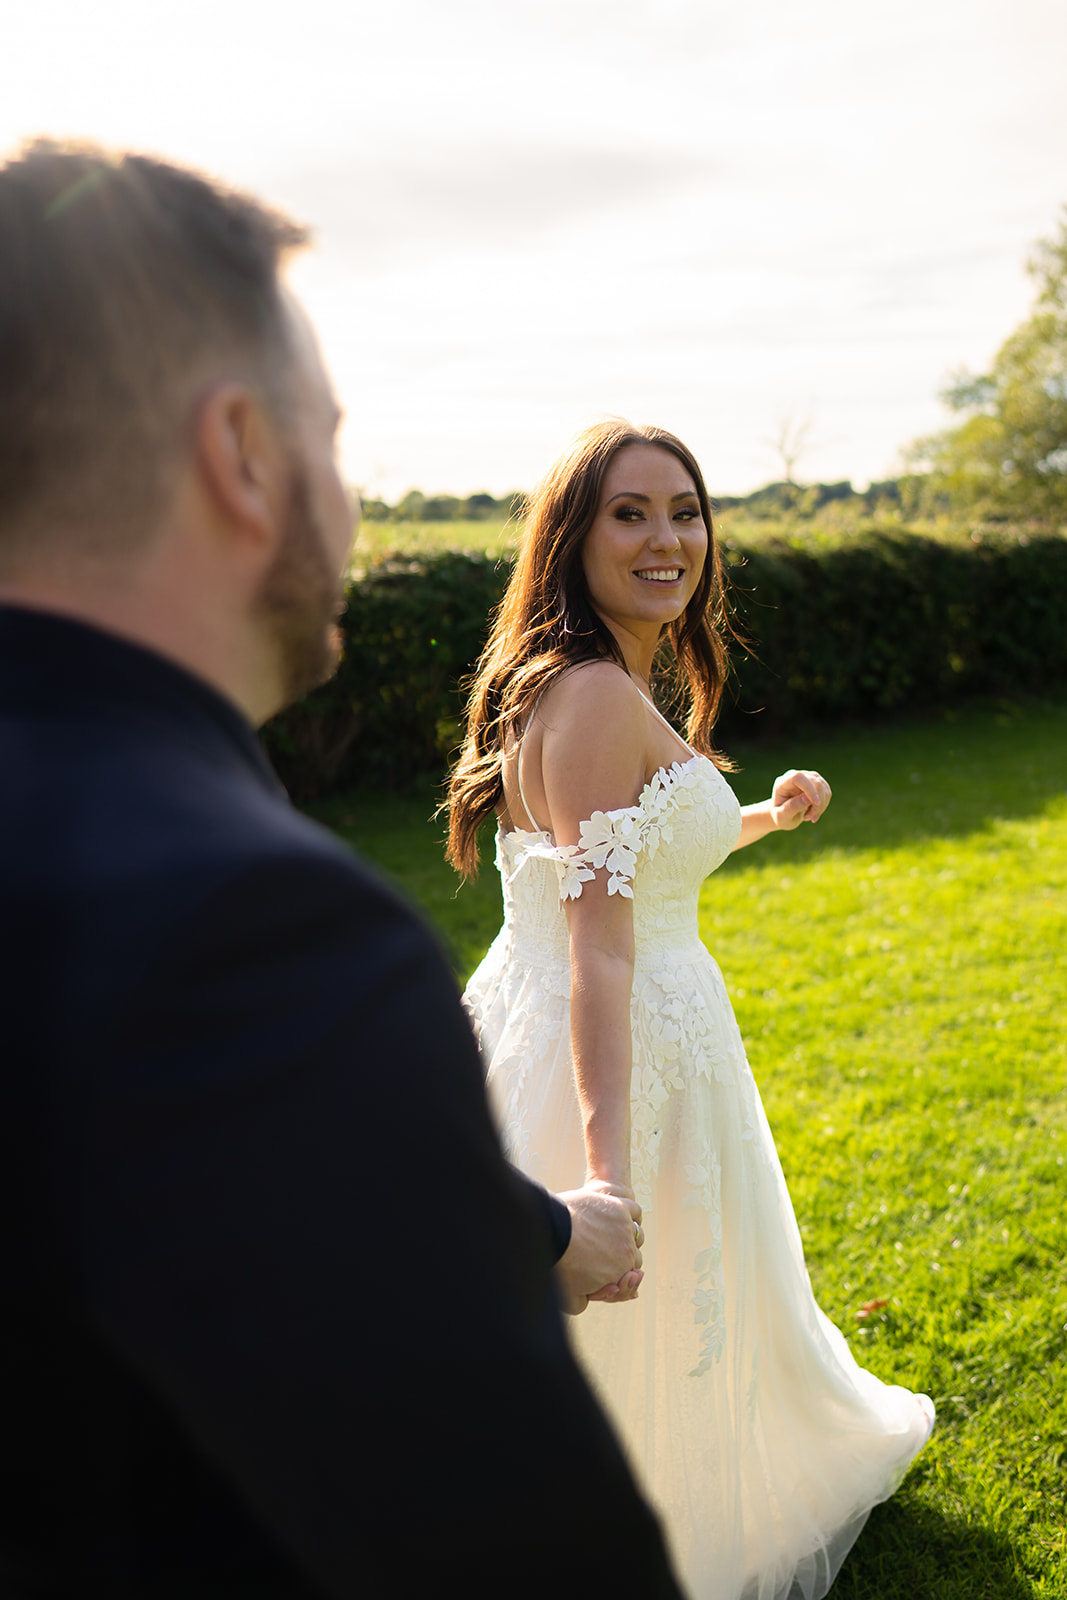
546, 623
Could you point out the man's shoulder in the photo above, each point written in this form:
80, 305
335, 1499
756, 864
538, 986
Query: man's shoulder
109, 786
115, 837
244, 845
274, 846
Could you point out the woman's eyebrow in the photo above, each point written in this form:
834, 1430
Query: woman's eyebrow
686, 494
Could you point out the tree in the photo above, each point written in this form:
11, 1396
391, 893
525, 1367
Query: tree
412, 508
441, 508
1009, 457
790, 442
479, 506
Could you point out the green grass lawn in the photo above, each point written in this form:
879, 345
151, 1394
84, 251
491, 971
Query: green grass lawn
377, 539
899, 975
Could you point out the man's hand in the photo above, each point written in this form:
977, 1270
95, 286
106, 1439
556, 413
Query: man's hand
603, 1259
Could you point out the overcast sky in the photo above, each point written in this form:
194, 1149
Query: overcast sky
722, 217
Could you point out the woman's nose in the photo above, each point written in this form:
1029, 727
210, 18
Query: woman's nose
664, 535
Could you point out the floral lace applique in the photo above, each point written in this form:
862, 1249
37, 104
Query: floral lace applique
613, 840
704, 1179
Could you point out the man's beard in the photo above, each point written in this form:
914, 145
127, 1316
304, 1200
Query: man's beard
301, 598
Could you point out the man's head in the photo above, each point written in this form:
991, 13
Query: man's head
153, 368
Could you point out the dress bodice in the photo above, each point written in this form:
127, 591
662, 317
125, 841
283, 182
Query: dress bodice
657, 853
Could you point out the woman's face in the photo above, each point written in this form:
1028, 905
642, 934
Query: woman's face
644, 554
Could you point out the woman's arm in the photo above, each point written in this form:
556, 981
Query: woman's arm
797, 797
593, 758
602, 975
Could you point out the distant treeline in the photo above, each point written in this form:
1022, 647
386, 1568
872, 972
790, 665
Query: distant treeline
419, 507
902, 496
894, 496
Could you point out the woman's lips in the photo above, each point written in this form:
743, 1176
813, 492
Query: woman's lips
661, 575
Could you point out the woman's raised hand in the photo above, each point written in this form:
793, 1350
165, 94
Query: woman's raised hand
798, 797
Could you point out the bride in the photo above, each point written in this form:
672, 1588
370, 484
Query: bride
612, 1049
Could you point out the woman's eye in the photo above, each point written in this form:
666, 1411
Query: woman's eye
628, 514
688, 514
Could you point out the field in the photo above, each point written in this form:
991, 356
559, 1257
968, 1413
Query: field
733, 527
898, 973
377, 539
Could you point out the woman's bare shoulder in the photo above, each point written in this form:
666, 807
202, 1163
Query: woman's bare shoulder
593, 746
592, 690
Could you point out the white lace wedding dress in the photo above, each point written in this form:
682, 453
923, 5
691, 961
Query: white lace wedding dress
746, 1418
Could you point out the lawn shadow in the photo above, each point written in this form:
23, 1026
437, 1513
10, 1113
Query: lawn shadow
944, 775
910, 1549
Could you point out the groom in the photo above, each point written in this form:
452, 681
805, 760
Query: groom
276, 1318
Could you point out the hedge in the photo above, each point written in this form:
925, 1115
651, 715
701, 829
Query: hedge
851, 627
413, 626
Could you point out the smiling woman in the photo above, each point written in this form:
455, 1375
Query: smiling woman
645, 552
613, 1056
574, 545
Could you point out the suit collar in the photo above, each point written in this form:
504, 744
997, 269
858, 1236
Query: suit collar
48, 657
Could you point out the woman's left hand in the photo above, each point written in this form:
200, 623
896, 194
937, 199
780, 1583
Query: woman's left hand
798, 797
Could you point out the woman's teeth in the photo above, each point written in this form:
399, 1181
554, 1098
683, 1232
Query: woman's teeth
666, 575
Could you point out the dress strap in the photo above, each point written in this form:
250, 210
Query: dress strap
522, 792
518, 765
661, 717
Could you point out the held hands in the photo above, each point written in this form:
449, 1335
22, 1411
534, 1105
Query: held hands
603, 1259
798, 797
627, 1286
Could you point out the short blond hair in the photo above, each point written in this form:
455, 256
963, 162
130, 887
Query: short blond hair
121, 279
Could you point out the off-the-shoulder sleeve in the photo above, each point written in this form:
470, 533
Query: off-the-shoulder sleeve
612, 841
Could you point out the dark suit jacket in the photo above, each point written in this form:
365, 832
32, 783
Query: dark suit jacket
276, 1318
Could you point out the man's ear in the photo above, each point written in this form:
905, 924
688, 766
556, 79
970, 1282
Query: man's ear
238, 454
